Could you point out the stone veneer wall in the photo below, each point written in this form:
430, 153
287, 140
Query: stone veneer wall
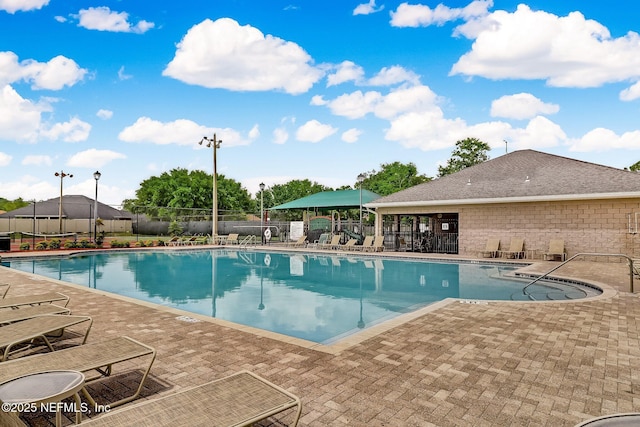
586, 226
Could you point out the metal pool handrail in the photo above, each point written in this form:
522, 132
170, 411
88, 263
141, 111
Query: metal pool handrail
585, 254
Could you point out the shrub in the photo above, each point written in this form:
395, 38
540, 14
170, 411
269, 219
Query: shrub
42, 245
54, 244
25, 246
70, 244
119, 244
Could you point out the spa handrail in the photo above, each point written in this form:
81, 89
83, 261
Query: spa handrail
585, 254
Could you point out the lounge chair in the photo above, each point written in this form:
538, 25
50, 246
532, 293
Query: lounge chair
98, 356
302, 241
322, 240
333, 244
516, 249
233, 239
491, 250
241, 399
377, 245
29, 330
366, 244
35, 299
351, 243
174, 241
23, 313
556, 249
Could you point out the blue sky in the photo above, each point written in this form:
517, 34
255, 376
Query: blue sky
302, 89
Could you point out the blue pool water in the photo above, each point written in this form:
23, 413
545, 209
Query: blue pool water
315, 297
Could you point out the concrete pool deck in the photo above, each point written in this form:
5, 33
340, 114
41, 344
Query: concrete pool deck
458, 364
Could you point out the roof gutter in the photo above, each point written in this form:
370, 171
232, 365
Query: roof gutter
496, 200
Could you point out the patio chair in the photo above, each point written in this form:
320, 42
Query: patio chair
30, 330
302, 241
23, 313
403, 245
516, 249
233, 239
556, 249
351, 243
333, 244
95, 356
491, 250
366, 244
174, 241
241, 399
377, 245
322, 240
35, 299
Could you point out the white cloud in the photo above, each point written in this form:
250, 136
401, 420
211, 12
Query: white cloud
354, 105
393, 75
223, 54
75, 130
104, 114
254, 132
314, 131
417, 15
631, 93
280, 136
317, 100
367, 8
93, 158
104, 19
521, 106
13, 6
345, 72
19, 117
53, 75
37, 160
568, 51
122, 75
179, 132
601, 139
350, 136
5, 159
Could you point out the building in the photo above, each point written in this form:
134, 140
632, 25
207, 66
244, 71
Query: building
77, 217
528, 194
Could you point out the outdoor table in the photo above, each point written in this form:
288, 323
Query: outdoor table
42, 388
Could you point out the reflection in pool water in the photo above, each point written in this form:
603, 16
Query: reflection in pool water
316, 297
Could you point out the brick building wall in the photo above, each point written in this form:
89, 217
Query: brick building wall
600, 226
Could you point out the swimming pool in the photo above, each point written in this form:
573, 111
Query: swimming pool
316, 297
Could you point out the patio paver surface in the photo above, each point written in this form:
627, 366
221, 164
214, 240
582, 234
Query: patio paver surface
462, 364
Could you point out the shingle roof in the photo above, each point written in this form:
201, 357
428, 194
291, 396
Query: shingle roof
73, 207
525, 175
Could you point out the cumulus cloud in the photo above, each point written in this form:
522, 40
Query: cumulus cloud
223, 54
93, 158
565, 51
367, 8
345, 72
314, 131
348, 71
179, 132
75, 130
393, 75
13, 6
5, 159
352, 135
104, 19
104, 114
521, 106
280, 135
19, 117
417, 15
601, 139
631, 93
37, 160
53, 75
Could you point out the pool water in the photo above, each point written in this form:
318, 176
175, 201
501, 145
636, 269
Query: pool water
316, 297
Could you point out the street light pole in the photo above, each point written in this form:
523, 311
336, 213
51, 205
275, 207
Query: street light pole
361, 178
262, 211
96, 176
215, 144
62, 175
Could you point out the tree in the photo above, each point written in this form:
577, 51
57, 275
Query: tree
180, 192
635, 167
468, 152
292, 190
9, 205
392, 177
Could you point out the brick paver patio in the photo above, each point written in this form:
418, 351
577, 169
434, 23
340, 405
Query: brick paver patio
460, 364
